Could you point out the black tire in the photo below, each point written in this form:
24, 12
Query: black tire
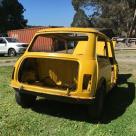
24, 100
12, 52
95, 109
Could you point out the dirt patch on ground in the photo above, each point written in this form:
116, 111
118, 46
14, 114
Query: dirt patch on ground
8, 62
127, 62
128, 56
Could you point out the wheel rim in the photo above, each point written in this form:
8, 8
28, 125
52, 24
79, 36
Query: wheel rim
12, 53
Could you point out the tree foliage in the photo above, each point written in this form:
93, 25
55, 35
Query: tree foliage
117, 14
11, 15
80, 19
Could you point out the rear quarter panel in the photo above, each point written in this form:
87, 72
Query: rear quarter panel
104, 71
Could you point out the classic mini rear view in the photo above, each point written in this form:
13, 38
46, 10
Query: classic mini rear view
76, 65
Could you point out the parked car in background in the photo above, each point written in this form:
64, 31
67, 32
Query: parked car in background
11, 46
79, 66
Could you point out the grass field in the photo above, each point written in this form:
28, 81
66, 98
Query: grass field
50, 118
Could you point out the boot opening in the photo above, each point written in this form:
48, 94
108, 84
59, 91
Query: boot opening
49, 73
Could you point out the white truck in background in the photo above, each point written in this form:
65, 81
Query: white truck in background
11, 46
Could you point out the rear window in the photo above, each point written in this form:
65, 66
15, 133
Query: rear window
57, 42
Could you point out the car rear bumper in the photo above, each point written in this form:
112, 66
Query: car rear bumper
68, 99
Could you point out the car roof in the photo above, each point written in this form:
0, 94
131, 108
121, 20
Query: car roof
72, 29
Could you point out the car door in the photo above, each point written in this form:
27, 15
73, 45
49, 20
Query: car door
3, 46
104, 65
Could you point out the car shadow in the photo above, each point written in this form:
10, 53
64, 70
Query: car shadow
117, 101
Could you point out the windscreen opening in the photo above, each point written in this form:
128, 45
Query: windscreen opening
57, 42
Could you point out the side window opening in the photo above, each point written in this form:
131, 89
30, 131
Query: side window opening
2, 40
101, 47
110, 50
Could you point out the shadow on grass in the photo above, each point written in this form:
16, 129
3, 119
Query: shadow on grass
116, 104
119, 99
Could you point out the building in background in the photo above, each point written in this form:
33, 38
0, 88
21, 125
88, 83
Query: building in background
26, 35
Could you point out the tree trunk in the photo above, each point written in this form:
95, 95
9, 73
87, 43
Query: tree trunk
133, 25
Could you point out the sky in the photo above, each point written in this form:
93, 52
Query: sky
48, 12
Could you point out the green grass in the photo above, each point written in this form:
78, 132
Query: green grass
49, 118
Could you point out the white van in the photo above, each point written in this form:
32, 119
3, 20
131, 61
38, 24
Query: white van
11, 46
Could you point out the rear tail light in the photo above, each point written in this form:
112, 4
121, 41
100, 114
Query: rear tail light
86, 81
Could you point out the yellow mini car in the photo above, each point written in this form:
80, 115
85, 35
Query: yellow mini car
77, 65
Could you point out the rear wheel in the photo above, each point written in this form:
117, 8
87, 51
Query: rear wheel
95, 109
12, 52
24, 100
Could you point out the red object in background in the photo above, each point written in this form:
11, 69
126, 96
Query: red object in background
26, 35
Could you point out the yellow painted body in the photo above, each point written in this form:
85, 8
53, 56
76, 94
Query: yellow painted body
87, 59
